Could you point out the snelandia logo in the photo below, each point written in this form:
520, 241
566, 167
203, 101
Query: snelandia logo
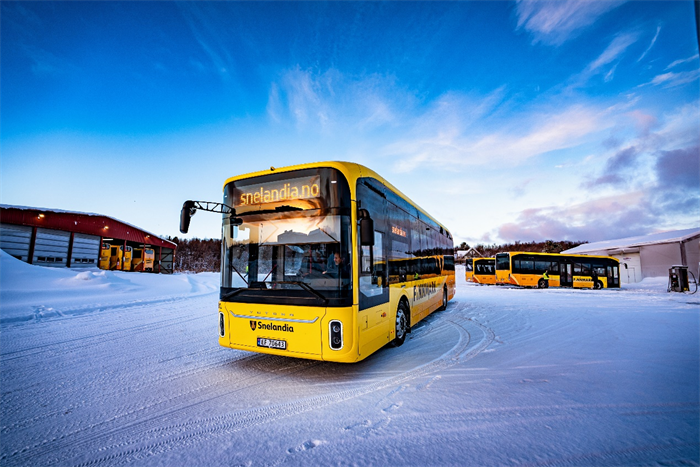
270, 327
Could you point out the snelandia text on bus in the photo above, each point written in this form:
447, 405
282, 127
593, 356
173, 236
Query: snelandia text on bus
273, 192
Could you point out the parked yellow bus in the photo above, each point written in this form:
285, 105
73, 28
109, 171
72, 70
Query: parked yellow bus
105, 253
528, 269
325, 261
143, 259
484, 271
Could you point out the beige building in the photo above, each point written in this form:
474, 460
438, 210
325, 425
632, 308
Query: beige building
649, 255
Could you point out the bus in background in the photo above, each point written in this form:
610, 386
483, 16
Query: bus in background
143, 259
126, 265
105, 253
116, 257
527, 269
468, 269
325, 261
484, 271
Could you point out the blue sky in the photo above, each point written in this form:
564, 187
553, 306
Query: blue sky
507, 121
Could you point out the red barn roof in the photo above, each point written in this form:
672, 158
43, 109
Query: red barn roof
80, 222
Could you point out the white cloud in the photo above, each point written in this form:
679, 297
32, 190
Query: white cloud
448, 145
555, 22
618, 45
330, 100
671, 79
682, 61
653, 41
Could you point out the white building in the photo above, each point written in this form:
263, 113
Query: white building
649, 255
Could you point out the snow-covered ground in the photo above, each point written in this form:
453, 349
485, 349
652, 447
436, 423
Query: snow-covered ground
107, 368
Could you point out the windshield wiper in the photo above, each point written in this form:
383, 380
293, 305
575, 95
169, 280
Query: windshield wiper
230, 295
304, 286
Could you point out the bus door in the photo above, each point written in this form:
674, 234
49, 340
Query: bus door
613, 276
566, 274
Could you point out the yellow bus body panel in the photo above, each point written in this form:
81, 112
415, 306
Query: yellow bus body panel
127, 259
304, 329
484, 279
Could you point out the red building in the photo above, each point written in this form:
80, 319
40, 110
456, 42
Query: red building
57, 238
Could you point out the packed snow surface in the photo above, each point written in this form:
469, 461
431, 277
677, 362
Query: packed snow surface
108, 368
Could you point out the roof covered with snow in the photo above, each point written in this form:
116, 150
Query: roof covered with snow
671, 236
83, 227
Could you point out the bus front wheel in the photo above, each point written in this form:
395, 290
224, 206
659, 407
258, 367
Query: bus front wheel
401, 325
597, 285
444, 300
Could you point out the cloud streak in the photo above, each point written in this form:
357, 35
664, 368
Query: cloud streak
553, 23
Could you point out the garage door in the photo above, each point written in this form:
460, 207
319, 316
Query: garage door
15, 239
630, 268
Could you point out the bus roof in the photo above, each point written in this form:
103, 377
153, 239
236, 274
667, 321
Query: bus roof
351, 170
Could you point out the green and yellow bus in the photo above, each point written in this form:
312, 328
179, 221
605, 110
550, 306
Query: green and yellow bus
325, 261
483, 271
527, 269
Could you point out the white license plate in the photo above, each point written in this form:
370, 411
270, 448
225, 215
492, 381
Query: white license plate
272, 343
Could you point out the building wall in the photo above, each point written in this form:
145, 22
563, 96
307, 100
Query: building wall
692, 254
657, 259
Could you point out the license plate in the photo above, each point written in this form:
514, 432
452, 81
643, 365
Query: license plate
272, 343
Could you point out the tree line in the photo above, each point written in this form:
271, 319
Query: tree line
547, 246
197, 255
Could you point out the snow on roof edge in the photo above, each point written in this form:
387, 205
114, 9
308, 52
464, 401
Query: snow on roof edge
670, 236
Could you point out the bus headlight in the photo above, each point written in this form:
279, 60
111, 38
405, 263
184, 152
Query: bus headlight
335, 329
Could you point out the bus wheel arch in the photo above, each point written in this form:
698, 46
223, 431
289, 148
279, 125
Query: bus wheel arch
402, 323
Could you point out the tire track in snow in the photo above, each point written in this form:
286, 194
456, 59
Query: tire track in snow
37, 345
165, 438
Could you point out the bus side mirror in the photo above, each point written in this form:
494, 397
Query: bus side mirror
625, 265
366, 229
186, 214
232, 222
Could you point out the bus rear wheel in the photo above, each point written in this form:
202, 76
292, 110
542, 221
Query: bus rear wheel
597, 285
401, 325
542, 284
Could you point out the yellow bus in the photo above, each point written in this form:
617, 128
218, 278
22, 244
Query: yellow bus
143, 259
484, 271
527, 269
325, 261
105, 253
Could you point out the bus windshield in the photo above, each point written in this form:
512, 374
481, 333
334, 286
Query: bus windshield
290, 254
502, 261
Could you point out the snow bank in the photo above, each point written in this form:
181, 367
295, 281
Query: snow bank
29, 292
